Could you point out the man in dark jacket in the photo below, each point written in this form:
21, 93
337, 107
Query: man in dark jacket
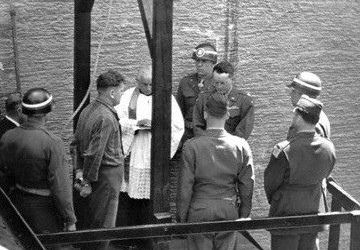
293, 177
99, 154
35, 158
241, 108
205, 57
216, 168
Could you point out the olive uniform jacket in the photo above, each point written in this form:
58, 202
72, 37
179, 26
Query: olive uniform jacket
293, 177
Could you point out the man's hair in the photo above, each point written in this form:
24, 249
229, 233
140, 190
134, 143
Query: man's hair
308, 117
111, 78
12, 102
224, 67
217, 105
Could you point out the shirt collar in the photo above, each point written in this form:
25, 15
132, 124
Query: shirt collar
108, 103
12, 120
33, 124
215, 132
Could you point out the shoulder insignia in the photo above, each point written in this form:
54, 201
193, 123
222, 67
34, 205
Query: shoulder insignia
276, 151
279, 147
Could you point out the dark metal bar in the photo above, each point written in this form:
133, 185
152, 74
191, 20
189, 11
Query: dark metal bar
17, 225
146, 27
334, 233
161, 109
173, 229
345, 200
82, 39
355, 231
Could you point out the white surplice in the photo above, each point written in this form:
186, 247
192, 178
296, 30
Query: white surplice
137, 141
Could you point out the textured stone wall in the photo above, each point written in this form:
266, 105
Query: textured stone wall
268, 41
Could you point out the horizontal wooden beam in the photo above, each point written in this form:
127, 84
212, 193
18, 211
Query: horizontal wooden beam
178, 229
341, 196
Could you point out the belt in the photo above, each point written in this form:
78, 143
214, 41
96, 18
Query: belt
41, 192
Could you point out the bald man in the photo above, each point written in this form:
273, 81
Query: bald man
135, 110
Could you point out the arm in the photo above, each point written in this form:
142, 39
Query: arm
275, 173
246, 179
177, 126
60, 185
180, 97
246, 125
186, 182
198, 116
128, 126
94, 153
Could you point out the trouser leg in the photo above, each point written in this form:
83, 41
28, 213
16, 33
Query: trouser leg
200, 241
227, 241
284, 242
309, 242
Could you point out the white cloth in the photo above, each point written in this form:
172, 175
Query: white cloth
139, 145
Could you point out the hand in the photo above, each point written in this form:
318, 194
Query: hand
86, 190
144, 123
69, 227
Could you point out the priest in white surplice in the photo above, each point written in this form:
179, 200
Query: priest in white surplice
134, 112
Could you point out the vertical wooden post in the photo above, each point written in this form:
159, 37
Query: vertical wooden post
82, 38
161, 113
355, 231
334, 233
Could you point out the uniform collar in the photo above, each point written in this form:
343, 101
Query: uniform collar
107, 103
32, 123
215, 132
307, 133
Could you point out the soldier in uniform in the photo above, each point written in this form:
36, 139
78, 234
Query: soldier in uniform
293, 177
205, 57
43, 191
216, 168
309, 84
241, 108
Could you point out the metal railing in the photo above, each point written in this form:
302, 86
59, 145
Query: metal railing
340, 200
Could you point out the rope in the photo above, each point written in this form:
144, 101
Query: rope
95, 65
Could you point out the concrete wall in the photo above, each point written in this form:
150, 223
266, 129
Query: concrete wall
268, 41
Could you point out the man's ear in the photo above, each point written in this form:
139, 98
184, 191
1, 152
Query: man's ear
111, 92
205, 115
227, 116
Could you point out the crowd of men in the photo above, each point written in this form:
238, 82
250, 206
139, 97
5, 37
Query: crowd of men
211, 121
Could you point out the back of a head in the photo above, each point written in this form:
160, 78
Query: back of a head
307, 83
111, 78
12, 102
217, 105
309, 109
224, 67
36, 101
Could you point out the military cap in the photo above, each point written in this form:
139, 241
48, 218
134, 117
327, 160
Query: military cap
216, 105
309, 106
205, 51
308, 83
36, 101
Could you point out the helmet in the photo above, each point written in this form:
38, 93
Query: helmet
308, 83
205, 51
36, 101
